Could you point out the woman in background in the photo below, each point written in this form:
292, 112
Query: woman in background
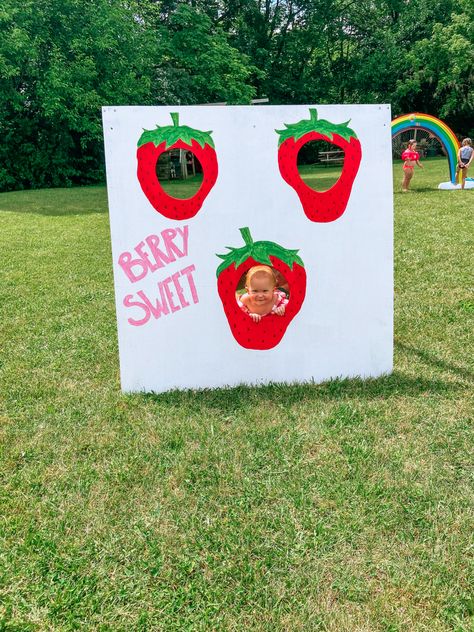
411, 158
465, 156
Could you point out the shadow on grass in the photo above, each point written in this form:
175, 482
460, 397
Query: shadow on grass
414, 190
84, 200
429, 189
231, 398
432, 360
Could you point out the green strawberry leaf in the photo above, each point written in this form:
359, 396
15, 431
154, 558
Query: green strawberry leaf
261, 251
171, 134
321, 126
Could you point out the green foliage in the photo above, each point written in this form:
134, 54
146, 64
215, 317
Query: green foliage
443, 65
60, 61
196, 62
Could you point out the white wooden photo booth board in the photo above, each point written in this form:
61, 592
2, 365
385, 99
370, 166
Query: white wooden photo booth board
179, 323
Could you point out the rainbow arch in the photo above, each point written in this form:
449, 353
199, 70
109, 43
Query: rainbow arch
445, 135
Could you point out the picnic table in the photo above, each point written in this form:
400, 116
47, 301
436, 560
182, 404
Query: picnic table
335, 156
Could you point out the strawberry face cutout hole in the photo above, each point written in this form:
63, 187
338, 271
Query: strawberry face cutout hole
252, 283
179, 142
320, 164
179, 173
327, 205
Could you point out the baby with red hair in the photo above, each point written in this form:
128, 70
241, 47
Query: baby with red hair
262, 297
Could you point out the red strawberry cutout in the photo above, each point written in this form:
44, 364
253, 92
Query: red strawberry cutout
319, 206
152, 144
267, 333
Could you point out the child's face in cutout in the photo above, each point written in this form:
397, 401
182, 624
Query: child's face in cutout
260, 290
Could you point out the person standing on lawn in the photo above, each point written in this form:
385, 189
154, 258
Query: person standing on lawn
411, 158
465, 156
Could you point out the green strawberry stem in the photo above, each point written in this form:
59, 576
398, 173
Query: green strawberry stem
260, 251
321, 126
247, 237
171, 134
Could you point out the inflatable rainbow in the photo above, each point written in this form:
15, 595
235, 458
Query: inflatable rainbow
445, 135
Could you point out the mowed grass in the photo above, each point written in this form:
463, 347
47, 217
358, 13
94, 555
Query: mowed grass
346, 506
320, 177
182, 189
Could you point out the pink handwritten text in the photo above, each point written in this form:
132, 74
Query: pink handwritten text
175, 293
154, 253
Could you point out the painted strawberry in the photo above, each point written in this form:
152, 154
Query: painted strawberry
319, 206
152, 144
267, 333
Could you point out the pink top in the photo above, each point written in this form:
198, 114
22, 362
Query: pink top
281, 300
409, 154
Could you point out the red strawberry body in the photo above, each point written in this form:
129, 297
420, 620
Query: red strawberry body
269, 331
319, 206
155, 142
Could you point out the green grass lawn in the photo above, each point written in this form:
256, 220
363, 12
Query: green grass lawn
346, 506
320, 177
182, 189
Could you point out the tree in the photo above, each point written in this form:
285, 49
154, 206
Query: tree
60, 61
196, 63
443, 68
